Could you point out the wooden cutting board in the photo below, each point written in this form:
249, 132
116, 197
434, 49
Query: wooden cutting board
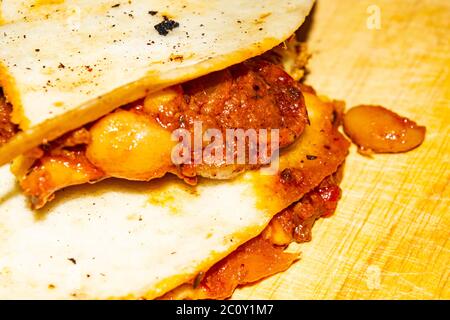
389, 238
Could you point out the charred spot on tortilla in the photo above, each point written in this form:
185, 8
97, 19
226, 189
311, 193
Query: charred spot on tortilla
166, 25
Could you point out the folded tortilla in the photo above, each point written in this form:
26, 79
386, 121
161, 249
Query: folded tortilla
62, 68
121, 239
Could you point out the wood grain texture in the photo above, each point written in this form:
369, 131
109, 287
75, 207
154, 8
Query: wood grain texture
389, 238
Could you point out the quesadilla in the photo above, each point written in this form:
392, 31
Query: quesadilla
91, 108
119, 239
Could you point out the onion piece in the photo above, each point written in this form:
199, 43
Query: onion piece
377, 129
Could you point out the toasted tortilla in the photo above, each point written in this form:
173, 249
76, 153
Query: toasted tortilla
61, 71
121, 239
34, 10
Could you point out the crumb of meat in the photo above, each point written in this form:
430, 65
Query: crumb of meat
293, 56
7, 128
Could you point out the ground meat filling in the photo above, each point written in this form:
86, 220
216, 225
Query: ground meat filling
255, 94
252, 95
7, 128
